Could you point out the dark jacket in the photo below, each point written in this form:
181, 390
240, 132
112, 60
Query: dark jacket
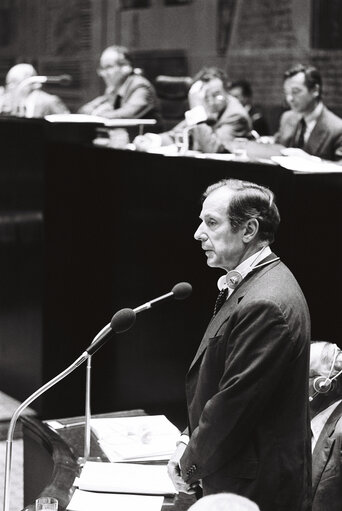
247, 395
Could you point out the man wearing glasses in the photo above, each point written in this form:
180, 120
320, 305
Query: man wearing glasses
128, 94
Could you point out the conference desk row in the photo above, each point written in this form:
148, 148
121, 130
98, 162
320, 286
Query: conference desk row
87, 230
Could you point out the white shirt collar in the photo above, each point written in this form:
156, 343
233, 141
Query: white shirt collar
319, 421
245, 267
313, 116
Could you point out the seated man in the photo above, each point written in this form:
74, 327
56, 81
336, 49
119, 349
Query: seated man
22, 96
309, 125
128, 94
242, 90
326, 426
220, 117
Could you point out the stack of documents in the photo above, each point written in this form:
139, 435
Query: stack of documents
150, 437
89, 501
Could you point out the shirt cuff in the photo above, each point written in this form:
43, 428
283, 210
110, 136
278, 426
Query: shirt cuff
183, 439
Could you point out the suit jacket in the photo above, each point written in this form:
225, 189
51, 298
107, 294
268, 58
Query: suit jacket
137, 100
218, 136
37, 104
327, 465
247, 395
325, 140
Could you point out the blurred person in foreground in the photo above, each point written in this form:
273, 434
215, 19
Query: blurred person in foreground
242, 90
23, 97
309, 128
224, 502
215, 117
247, 386
326, 425
128, 94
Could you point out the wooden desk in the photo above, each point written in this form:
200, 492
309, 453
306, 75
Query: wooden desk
50, 461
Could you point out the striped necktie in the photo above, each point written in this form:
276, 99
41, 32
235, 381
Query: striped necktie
221, 298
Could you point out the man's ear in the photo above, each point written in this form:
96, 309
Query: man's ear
251, 229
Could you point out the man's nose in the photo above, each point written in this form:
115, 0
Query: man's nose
200, 235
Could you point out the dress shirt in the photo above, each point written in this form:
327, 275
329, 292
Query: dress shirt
244, 268
318, 422
311, 120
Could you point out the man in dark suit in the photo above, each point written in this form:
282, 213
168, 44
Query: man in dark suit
242, 90
326, 426
215, 117
247, 387
309, 125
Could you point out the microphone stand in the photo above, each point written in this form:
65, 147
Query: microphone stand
17, 413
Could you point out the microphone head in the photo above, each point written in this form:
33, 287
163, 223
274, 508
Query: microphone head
181, 290
123, 320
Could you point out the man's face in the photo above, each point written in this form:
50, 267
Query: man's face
298, 96
111, 68
215, 96
221, 245
238, 94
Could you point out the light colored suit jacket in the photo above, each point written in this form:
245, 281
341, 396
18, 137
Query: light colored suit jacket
216, 137
327, 465
325, 140
247, 395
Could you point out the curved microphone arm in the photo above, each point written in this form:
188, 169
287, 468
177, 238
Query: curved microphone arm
17, 413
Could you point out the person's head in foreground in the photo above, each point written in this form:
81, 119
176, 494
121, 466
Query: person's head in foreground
224, 502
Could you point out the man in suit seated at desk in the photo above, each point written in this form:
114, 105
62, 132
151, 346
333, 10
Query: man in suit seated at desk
128, 94
242, 90
23, 97
215, 117
326, 426
309, 126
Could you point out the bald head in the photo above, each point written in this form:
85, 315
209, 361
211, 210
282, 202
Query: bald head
224, 502
18, 73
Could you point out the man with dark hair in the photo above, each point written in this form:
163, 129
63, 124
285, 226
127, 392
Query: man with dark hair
309, 125
326, 425
128, 94
242, 90
215, 118
247, 387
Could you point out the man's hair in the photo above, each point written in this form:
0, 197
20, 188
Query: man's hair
245, 87
224, 502
313, 77
209, 73
250, 201
124, 55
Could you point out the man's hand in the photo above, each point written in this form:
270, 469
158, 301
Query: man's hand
174, 472
147, 142
196, 94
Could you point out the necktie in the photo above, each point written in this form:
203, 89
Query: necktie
300, 132
221, 298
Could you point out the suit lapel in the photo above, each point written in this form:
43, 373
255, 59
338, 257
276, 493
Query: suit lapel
323, 447
228, 308
318, 135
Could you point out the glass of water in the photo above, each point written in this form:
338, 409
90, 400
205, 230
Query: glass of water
46, 504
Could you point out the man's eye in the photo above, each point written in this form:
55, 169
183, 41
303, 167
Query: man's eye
211, 223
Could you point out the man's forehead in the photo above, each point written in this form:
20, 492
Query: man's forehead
297, 80
109, 56
217, 201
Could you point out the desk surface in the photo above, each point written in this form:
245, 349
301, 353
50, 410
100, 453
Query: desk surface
50, 461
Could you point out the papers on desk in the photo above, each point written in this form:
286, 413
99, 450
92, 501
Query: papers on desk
126, 478
89, 501
84, 118
306, 165
136, 438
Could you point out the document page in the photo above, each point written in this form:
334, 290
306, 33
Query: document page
126, 478
136, 438
89, 501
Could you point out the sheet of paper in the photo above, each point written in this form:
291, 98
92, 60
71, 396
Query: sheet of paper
136, 438
126, 478
306, 165
89, 501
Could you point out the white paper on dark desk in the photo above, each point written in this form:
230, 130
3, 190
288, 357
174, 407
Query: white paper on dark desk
136, 438
90, 501
126, 478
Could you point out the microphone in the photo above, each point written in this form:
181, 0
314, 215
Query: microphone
122, 321
180, 291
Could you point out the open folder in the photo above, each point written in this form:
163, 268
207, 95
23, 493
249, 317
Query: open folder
137, 438
126, 478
